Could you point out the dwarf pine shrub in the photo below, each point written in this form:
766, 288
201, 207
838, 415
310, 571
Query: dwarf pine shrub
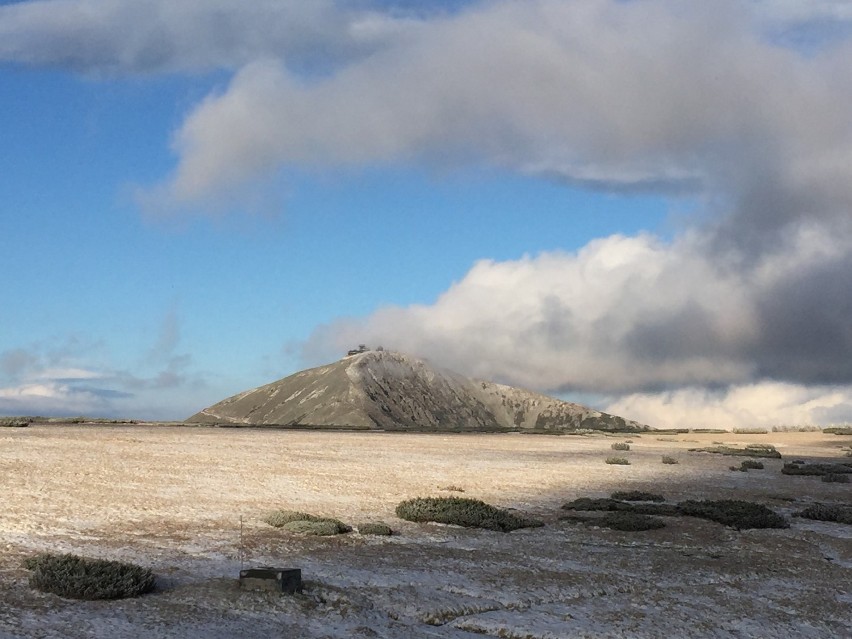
835, 478
462, 511
77, 577
827, 512
668, 459
286, 518
620, 446
630, 522
315, 528
375, 528
618, 461
734, 513
636, 495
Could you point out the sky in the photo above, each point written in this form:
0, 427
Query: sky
640, 205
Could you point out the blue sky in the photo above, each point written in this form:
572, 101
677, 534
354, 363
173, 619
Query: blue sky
595, 199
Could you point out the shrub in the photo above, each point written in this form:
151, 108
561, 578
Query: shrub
316, 527
636, 495
750, 431
278, 518
826, 512
629, 521
838, 430
461, 511
620, 446
752, 450
284, 519
618, 461
375, 528
668, 459
76, 577
835, 478
734, 513
751, 464
801, 468
14, 422
604, 504
452, 488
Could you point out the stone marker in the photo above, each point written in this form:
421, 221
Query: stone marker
287, 580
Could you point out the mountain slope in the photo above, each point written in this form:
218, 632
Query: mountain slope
393, 391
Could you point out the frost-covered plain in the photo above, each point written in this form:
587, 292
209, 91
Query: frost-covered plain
172, 498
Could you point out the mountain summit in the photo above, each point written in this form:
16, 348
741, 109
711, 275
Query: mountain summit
385, 390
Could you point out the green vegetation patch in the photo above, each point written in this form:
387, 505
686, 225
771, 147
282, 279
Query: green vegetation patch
14, 422
668, 459
752, 450
77, 577
827, 512
462, 511
618, 461
750, 431
747, 465
636, 495
375, 528
620, 446
802, 468
630, 522
735, 513
316, 527
838, 430
294, 520
615, 505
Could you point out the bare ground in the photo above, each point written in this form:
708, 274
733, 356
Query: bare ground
173, 498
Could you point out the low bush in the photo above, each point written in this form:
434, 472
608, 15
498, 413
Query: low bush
734, 513
752, 450
620, 446
14, 422
284, 519
618, 461
278, 518
835, 478
613, 505
827, 512
452, 488
629, 521
76, 577
461, 511
750, 431
375, 528
315, 528
636, 495
748, 464
838, 430
801, 468
668, 459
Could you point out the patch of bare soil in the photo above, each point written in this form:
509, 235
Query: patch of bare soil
188, 503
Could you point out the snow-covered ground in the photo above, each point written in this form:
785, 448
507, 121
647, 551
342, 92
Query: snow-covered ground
173, 499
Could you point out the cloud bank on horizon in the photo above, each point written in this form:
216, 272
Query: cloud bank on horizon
741, 109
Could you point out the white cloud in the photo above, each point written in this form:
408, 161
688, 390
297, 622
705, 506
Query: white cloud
623, 313
764, 404
150, 36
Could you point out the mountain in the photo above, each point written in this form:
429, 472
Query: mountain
384, 390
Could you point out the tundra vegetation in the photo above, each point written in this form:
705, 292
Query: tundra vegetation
461, 511
74, 577
302, 523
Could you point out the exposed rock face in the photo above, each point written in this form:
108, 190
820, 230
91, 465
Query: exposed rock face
393, 391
